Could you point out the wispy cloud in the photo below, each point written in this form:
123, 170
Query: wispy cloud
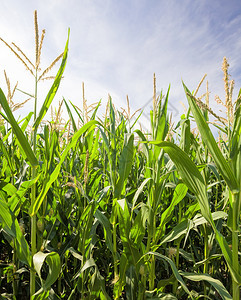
115, 47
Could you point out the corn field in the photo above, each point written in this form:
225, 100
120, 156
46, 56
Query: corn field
94, 208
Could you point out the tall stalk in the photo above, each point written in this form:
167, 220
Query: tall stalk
235, 244
33, 193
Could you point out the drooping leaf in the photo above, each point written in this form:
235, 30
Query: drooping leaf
54, 264
219, 287
174, 269
190, 175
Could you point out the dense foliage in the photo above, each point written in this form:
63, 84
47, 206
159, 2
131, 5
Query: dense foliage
97, 209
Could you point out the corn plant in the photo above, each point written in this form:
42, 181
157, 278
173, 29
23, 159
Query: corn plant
93, 208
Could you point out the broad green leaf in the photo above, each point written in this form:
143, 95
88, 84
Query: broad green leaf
11, 226
138, 228
88, 264
207, 136
125, 165
18, 132
54, 264
119, 286
107, 228
17, 198
219, 287
178, 195
41, 294
185, 136
144, 144
53, 89
138, 192
75, 253
190, 175
10, 189
182, 228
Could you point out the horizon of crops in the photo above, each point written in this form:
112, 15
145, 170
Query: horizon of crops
94, 208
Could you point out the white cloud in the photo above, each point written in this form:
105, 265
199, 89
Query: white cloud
115, 47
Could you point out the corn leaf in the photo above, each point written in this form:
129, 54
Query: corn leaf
11, 226
71, 116
194, 180
190, 175
174, 269
129, 246
179, 193
219, 287
53, 89
18, 132
208, 138
7, 156
125, 164
54, 264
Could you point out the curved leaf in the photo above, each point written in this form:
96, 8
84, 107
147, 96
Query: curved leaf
53, 89
174, 269
18, 132
219, 287
190, 175
54, 263
207, 136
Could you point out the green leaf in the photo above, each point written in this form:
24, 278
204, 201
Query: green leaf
107, 228
18, 197
138, 192
179, 193
53, 89
71, 116
125, 165
185, 136
227, 253
183, 227
11, 226
190, 175
7, 156
54, 264
174, 269
119, 286
88, 264
129, 246
219, 287
208, 139
137, 232
18, 132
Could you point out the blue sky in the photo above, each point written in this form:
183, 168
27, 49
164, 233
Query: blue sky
116, 46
